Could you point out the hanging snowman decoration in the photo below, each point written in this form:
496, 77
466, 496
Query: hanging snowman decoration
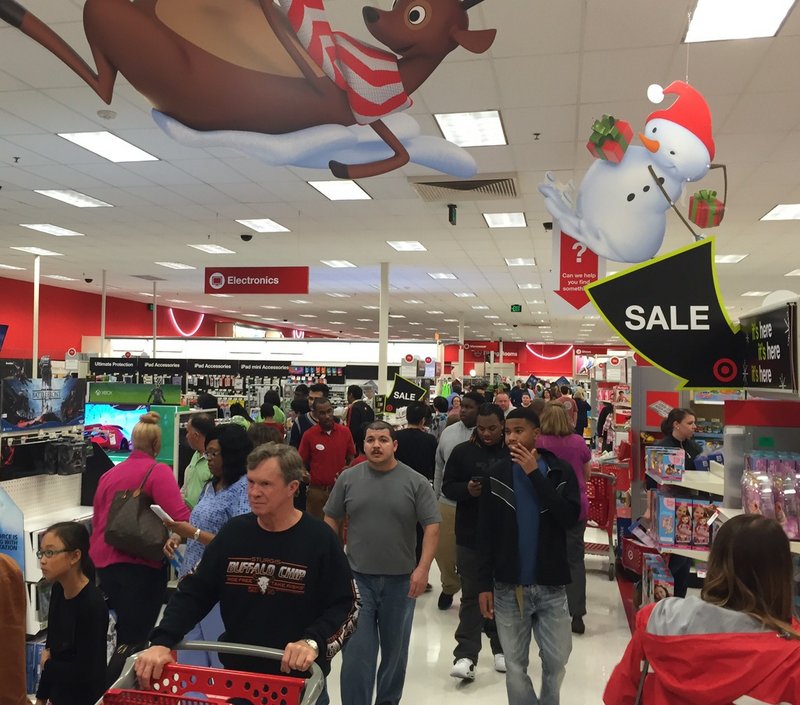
621, 208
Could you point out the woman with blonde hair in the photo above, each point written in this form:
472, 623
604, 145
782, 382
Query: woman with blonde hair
559, 437
720, 647
135, 586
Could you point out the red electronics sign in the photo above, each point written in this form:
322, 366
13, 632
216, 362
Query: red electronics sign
256, 280
578, 267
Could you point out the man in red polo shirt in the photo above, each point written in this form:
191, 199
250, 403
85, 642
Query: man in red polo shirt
326, 449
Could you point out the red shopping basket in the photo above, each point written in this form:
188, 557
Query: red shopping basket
196, 685
182, 684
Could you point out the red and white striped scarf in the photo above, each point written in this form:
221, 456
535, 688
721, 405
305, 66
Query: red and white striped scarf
368, 74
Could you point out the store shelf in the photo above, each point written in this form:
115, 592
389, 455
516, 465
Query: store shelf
709, 435
693, 553
700, 480
43, 435
713, 402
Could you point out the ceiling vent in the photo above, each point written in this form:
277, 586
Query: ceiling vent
501, 187
149, 277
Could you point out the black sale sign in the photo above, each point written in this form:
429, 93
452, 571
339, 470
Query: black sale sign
404, 392
669, 310
770, 360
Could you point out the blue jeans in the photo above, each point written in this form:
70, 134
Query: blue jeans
384, 622
543, 610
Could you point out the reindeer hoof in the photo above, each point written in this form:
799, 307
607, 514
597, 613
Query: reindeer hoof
339, 170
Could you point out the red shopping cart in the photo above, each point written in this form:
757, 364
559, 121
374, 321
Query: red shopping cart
194, 685
602, 515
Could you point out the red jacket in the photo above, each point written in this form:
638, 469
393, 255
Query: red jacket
707, 669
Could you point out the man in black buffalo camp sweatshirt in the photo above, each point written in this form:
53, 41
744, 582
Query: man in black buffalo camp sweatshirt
465, 476
280, 576
531, 500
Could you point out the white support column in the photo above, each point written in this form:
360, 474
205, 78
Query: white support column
155, 320
461, 348
37, 262
383, 331
103, 314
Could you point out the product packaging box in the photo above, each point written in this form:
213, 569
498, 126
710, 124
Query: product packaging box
665, 518
610, 139
683, 522
663, 584
701, 530
665, 463
705, 209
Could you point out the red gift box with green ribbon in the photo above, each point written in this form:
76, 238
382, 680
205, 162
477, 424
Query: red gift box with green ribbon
610, 138
705, 209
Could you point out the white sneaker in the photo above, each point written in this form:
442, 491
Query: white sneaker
500, 663
464, 669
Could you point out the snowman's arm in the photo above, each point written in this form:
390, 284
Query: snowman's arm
672, 203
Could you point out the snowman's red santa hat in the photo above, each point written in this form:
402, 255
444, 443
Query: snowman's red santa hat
689, 110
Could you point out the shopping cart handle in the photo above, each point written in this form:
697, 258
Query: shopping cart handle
314, 684
607, 476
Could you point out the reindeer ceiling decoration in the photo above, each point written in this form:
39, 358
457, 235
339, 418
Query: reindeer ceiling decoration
275, 81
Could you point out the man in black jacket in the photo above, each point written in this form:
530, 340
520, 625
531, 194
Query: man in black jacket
359, 415
531, 500
465, 475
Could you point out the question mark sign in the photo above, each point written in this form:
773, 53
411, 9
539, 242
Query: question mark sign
581, 248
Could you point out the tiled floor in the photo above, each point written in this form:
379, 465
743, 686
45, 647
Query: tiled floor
594, 654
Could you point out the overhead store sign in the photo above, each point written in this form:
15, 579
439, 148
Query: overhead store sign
669, 310
404, 392
113, 366
271, 368
213, 367
256, 280
770, 350
161, 366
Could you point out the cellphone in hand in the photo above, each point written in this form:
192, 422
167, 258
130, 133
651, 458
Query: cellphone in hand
160, 513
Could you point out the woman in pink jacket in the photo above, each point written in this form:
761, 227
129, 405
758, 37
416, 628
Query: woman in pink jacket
737, 639
135, 587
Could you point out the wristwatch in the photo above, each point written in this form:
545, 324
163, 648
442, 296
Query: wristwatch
313, 644
196, 535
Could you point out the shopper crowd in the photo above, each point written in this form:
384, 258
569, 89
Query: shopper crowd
489, 484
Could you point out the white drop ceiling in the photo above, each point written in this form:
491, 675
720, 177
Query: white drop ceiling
555, 66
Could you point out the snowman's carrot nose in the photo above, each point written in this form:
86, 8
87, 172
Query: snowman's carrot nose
652, 145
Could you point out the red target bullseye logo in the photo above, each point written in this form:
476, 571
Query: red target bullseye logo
725, 370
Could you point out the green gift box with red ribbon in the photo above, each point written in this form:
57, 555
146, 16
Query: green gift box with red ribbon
705, 209
610, 138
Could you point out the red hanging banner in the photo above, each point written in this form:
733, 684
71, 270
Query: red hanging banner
578, 267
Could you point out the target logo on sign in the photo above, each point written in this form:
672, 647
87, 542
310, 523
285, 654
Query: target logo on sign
428, 360
216, 280
409, 358
614, 361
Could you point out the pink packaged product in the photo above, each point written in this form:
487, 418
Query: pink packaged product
663, 585
683, 522
665, 518
701, 531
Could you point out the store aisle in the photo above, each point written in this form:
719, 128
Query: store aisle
594, 654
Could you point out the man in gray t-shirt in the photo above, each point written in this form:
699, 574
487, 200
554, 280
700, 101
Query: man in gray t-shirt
383, 500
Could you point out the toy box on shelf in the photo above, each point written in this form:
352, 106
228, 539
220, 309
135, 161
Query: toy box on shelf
665, 463
682, 522
770, 483
657, 581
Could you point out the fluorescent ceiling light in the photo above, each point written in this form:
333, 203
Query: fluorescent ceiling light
434, 313
108, 146
396, 315
441, 275
337, 295
11, 266
492, 316
715, 20
464, 294
592, 318
755, 293
407, 245
177, 301
307, 315
299, 301
60, 277
480, 307
414, 323
413, 301
451, 320
222, 296
529, 286
251, 315
337, 311
505, 220
533, 302
229, 310
476, 129
359, 328
364, 320
336, 323
270, 307
340, 190
74, 198
149, 293
793, 273
207, 306
728, 259
38, 251
520, 262
51, 229
264, 225
784, 211
175, 265
213, 249
337, 263
498, 324
372, 308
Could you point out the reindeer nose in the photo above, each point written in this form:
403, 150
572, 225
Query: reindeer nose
370, 15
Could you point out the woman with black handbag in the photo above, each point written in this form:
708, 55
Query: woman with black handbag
134, 583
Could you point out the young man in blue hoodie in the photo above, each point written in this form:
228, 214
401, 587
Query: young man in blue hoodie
531, 500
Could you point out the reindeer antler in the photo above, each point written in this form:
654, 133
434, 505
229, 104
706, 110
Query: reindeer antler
468, 4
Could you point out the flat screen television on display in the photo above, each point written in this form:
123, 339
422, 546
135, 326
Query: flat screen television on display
111, 425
